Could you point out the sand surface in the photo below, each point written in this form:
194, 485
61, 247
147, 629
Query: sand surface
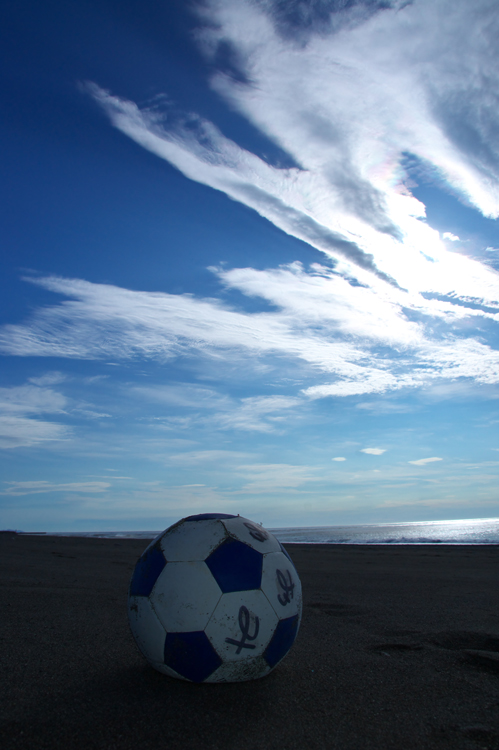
398, 648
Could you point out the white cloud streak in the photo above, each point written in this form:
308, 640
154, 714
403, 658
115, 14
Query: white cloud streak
424, 461
316, 324
306, 205
211, 457
39, 487
207, 406
30, 399
401, 82
347, 108
20, 410
20, 432
269, 478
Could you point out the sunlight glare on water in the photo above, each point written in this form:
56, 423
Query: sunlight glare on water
467, 531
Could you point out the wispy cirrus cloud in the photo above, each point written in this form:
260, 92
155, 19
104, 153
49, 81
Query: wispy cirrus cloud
19, 432
304, 204
206, 406
408, 79
424, 461
348, 106
31, 399
348, 94
269, 478
20, 410
314, 323
103, 320
258, 413
48, 379
38, 487
210, 457
202, 153
347, 99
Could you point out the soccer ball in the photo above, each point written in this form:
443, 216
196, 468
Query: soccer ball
215, 598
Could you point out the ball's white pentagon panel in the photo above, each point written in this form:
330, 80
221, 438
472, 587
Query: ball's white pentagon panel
241, 625
281, 585
185, 596
243, 670
147, 630
192, 540
252, 534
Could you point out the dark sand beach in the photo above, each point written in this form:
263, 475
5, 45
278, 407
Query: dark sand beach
398, 648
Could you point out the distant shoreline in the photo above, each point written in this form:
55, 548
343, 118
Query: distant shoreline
481, 531
98, 535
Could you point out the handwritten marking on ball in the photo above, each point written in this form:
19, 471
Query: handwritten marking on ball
259, 534
244, 624
286, 586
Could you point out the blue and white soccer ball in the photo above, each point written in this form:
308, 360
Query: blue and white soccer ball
215, 598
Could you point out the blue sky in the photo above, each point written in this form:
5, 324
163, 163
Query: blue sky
251, 262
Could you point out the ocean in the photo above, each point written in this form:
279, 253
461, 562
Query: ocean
467, 531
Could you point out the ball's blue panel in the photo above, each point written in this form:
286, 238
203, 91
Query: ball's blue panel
208, 516
235, 566
191, 655
282, 640
146, 572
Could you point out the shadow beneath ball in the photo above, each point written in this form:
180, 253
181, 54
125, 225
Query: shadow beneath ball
138, 706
